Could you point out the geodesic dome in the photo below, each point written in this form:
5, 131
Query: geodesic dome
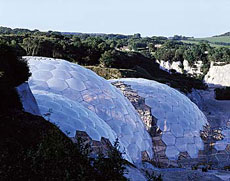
83, 86
178, 118
71, 116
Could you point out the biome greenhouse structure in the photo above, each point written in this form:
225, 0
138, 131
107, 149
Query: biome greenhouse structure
77, 99
59, 81
178, 120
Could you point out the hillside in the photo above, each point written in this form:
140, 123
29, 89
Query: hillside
35, 158
215, 41
225, 34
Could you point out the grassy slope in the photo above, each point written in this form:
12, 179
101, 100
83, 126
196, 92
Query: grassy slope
220, 39
211, 40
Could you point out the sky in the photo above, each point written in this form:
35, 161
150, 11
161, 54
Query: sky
198, 18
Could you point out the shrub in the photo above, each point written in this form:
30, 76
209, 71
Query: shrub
13, 72
113, 166
152, 177
32, 148
222, 93
107, 58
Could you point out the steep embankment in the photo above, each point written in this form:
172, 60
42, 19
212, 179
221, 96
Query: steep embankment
216, 111
218, 75
32, 148
182, 67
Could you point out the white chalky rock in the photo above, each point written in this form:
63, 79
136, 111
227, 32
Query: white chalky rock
77, 84
179, 119
218, 75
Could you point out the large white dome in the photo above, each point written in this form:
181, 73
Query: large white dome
71, 116
83, 86
179, 119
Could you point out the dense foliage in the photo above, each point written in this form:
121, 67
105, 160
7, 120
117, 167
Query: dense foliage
93, 49
13, 72
34, 149
133, 55
111, 166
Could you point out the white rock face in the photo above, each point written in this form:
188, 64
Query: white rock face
27, 99
83, 86
218, 75
195, 71
179, 119
167, 66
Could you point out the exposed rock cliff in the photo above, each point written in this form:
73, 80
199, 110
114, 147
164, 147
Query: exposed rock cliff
218, 75
184, 67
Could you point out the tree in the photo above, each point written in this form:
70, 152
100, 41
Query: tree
13, 72
113, 166
108, 58
137, 35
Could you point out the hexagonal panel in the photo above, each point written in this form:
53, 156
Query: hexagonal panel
57, 84
76, 85
46, 66
42, 75
192, 150
59, 74
177, 130
169, 138
172, 153
181, 144
220, 145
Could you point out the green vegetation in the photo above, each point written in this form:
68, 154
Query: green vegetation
215, 41
222, 93
112, 166
14, 71
32, 148
128, 56
221, 40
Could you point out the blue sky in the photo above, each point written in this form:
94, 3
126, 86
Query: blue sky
199, 18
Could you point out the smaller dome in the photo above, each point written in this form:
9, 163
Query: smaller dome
178, 118
221, 145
